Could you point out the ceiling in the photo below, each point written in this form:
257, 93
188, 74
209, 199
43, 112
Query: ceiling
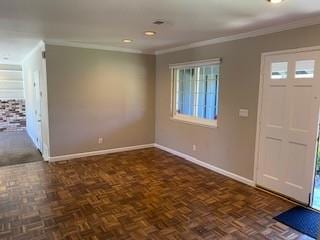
106, 23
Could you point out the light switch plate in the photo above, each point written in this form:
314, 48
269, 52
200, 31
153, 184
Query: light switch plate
244, 113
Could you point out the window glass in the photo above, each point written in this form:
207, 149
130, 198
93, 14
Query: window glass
279, 70
197, 92
305, 69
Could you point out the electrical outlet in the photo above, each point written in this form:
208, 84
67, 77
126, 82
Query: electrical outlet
100, 140
194, 147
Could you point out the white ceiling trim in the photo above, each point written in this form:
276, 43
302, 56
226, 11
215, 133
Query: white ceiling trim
259, 32
95, 46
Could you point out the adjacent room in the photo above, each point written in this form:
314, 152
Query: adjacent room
175, 119
15, 144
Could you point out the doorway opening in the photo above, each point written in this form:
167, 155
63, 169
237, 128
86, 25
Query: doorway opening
17, 143
316, 189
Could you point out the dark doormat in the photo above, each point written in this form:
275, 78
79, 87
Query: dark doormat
301, 219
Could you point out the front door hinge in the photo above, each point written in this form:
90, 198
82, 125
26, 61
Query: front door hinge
43, 54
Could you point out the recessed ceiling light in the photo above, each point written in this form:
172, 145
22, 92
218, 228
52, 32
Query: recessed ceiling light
127, 40
149, 33
275, 1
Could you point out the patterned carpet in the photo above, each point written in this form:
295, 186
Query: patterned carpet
144, 194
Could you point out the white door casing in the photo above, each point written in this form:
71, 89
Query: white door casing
288, 124
37, 109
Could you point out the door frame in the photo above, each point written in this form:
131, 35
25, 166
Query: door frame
260, 101
38, 52
36, 78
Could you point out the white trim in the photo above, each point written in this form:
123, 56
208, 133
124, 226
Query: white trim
45, 110
95, 46
195, 121
258, 129
195, 63
95, 153
207, 165
256, 33
293, 50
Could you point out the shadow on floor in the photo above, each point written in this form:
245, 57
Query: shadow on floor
16, 148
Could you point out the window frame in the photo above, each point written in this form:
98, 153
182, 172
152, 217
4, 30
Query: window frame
186, 118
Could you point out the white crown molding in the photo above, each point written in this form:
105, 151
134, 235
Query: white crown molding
95, 153
95, 46
259, 32
207, 165
256, 33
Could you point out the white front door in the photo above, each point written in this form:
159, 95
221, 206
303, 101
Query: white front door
37, 109
289, 123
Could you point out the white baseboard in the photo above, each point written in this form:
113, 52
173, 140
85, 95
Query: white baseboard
206, 165
100, 152
174, 152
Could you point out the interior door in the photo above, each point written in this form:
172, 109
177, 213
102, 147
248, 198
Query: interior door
288, 123
37, 111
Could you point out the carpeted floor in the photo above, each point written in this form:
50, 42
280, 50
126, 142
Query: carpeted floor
17, 147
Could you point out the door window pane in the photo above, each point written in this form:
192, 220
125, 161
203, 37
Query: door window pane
305, 69
279, 70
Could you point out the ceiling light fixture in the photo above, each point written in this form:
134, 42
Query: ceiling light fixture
149, 33
275, 1
127, 40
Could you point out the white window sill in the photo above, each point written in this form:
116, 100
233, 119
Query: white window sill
195, 121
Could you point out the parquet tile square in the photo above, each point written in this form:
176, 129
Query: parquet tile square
144, 194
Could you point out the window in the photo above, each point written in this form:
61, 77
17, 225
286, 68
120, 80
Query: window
305, 69
279, 70
195, 92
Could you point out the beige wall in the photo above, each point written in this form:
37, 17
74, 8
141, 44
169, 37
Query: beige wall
230, 146
96, 93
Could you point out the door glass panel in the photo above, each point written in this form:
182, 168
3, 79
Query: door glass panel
305, 69
279, 70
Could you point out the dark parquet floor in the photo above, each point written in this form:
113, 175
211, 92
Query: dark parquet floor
144, 194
